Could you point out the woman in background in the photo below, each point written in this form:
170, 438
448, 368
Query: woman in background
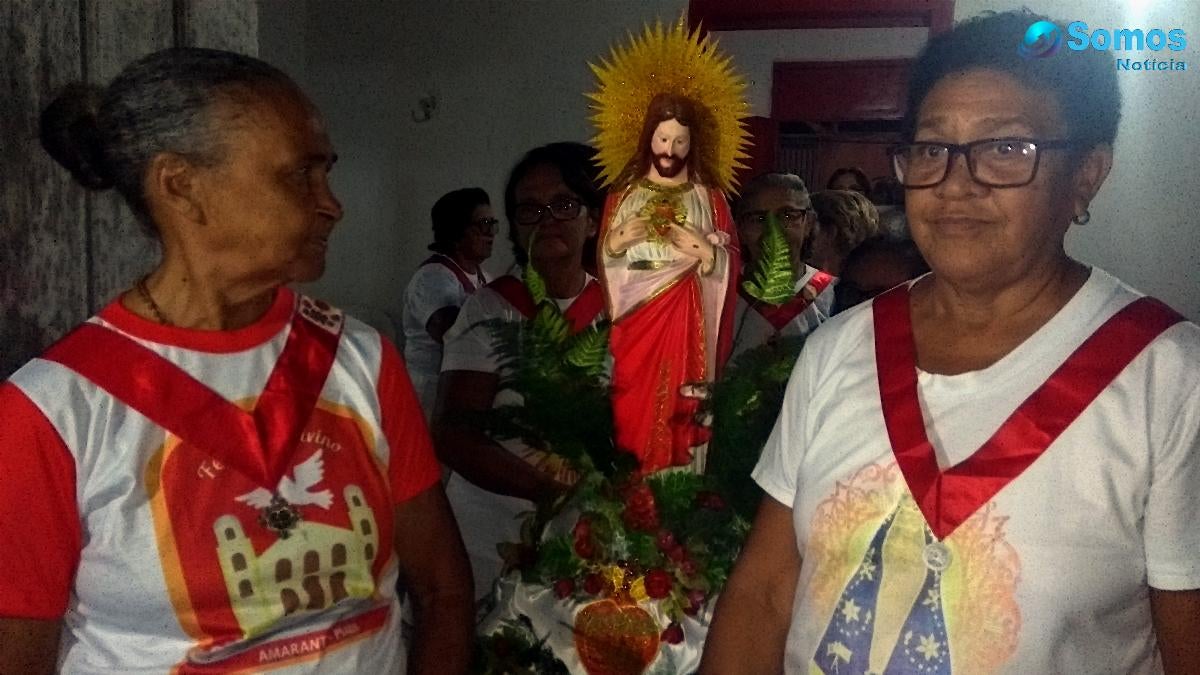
845, 219
463, 230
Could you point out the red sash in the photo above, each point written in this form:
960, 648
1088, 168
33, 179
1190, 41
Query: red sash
582, 312
781, 315
949, 497
440, 259
258, 444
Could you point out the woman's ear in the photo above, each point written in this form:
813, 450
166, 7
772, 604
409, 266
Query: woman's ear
593, 217
1089, 176
171, 187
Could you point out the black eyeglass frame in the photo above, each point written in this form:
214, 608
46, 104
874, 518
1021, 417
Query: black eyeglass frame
543, 209
783, 222
486, 225
965, 149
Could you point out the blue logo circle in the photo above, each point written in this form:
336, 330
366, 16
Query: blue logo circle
1042, 39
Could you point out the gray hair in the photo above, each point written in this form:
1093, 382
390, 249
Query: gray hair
164, 102
769, 181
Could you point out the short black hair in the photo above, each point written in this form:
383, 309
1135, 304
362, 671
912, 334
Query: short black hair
1083, 82
575, 162
451, 216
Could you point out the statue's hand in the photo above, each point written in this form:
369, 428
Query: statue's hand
628, 233
694, 245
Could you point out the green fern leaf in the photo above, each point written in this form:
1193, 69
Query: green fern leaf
588, 350
550, 325
773, 281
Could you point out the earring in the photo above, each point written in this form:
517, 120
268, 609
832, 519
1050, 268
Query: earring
1083, 218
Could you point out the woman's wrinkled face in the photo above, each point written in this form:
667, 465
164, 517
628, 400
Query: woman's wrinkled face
268, 208
555, 240
977, 234
791, 210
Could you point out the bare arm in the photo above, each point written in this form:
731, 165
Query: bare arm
1177, 626
28, 645
752, 617
466, 449
439, 322
434, 569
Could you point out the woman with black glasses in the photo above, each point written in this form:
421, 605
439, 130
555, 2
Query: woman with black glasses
463, 231
993, 468
553, 208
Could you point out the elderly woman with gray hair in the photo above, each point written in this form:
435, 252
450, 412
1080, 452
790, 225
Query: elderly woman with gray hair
216, 473
783, 198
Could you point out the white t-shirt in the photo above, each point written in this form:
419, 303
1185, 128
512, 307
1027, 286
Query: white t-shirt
487, 518
1049, 576
432, 287
151, 550
752, 330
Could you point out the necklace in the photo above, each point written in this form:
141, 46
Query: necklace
144, 292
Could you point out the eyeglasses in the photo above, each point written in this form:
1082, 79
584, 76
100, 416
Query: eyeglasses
565, 208
993, 162
786, 217
486, 225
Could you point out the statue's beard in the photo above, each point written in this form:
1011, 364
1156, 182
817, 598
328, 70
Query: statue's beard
669, 166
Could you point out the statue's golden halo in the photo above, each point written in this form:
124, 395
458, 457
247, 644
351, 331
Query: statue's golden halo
669, 61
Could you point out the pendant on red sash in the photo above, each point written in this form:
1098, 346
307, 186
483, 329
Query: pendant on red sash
459, 273
949, 497
258, 444
583, 311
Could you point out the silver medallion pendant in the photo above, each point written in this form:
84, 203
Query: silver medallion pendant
937, 556
279, 516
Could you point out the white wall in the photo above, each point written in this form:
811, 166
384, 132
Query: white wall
511, 75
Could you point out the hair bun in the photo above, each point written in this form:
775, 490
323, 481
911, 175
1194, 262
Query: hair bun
69, 132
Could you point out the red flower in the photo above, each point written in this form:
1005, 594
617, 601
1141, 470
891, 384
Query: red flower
688, 567
677, 553
641, 511
584, 548
564, 588
658, 583
673, 635
593, 584
666, 540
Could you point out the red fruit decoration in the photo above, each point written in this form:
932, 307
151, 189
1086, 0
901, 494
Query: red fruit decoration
673, 635
658, 583
564, 588
614, 638
641, 512
593, 584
